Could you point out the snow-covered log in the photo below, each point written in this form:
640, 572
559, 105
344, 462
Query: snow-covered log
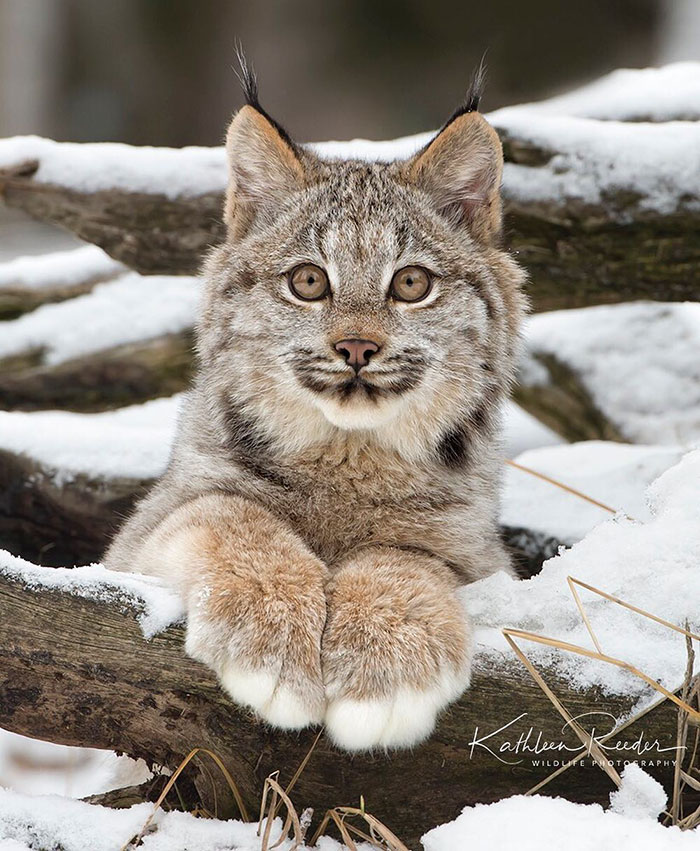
125, 341
623, 372
602, 206
28, 282
75, 668
90, 657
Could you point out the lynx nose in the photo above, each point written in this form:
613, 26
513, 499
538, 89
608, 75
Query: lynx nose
356, 352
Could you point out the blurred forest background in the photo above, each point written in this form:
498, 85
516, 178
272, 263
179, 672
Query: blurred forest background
159, 72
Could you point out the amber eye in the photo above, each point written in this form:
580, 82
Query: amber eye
410, 284
308, 282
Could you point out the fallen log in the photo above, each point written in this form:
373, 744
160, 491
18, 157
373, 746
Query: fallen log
111, 378
28, 282
76, 669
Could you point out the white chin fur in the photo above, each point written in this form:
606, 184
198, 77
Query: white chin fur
357, 415
274, 703
403, 720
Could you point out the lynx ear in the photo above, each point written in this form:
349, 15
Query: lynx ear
264, 168
461, 170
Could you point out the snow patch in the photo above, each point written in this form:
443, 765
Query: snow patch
160, 607
128, 310
30, 822
629, 559
522, 431
536, 822
640, 363
639, 796
173, 172
59, 269
615, 474
132, 442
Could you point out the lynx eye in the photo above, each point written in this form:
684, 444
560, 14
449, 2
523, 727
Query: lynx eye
410, 284
308, 282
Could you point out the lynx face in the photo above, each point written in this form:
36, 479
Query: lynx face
361, 295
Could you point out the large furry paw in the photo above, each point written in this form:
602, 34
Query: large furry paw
282, 685
395, 650
262, 636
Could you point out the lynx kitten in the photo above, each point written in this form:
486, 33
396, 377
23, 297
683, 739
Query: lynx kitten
336, 471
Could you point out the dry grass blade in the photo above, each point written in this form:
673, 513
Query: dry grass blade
682, 733
292, 819
379, 835
582, 612
573, 581
171, 782
562, 486
297, 773
602, 657
586, 739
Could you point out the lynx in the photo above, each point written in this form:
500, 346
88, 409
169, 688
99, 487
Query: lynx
335, 476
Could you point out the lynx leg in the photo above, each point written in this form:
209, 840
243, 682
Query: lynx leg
255, 603
395, 650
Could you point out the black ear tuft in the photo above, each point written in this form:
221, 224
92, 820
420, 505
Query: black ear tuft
249, 84
474, 93
248, 80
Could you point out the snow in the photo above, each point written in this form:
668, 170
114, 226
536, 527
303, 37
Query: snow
174, 172
615, 474
51, 822
631, 94
640, 363
534, 823
630, 170
640, 795
158, 606
59, 269
522, 431
130, 309
629, 559
132, 442
44, 768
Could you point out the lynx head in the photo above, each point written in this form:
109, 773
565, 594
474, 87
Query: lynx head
361, 296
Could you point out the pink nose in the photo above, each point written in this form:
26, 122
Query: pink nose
356, 352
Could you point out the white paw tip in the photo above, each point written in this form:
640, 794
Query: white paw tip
357, 725
401, 721
250, 688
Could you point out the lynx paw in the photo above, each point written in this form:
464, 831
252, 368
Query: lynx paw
395, 649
